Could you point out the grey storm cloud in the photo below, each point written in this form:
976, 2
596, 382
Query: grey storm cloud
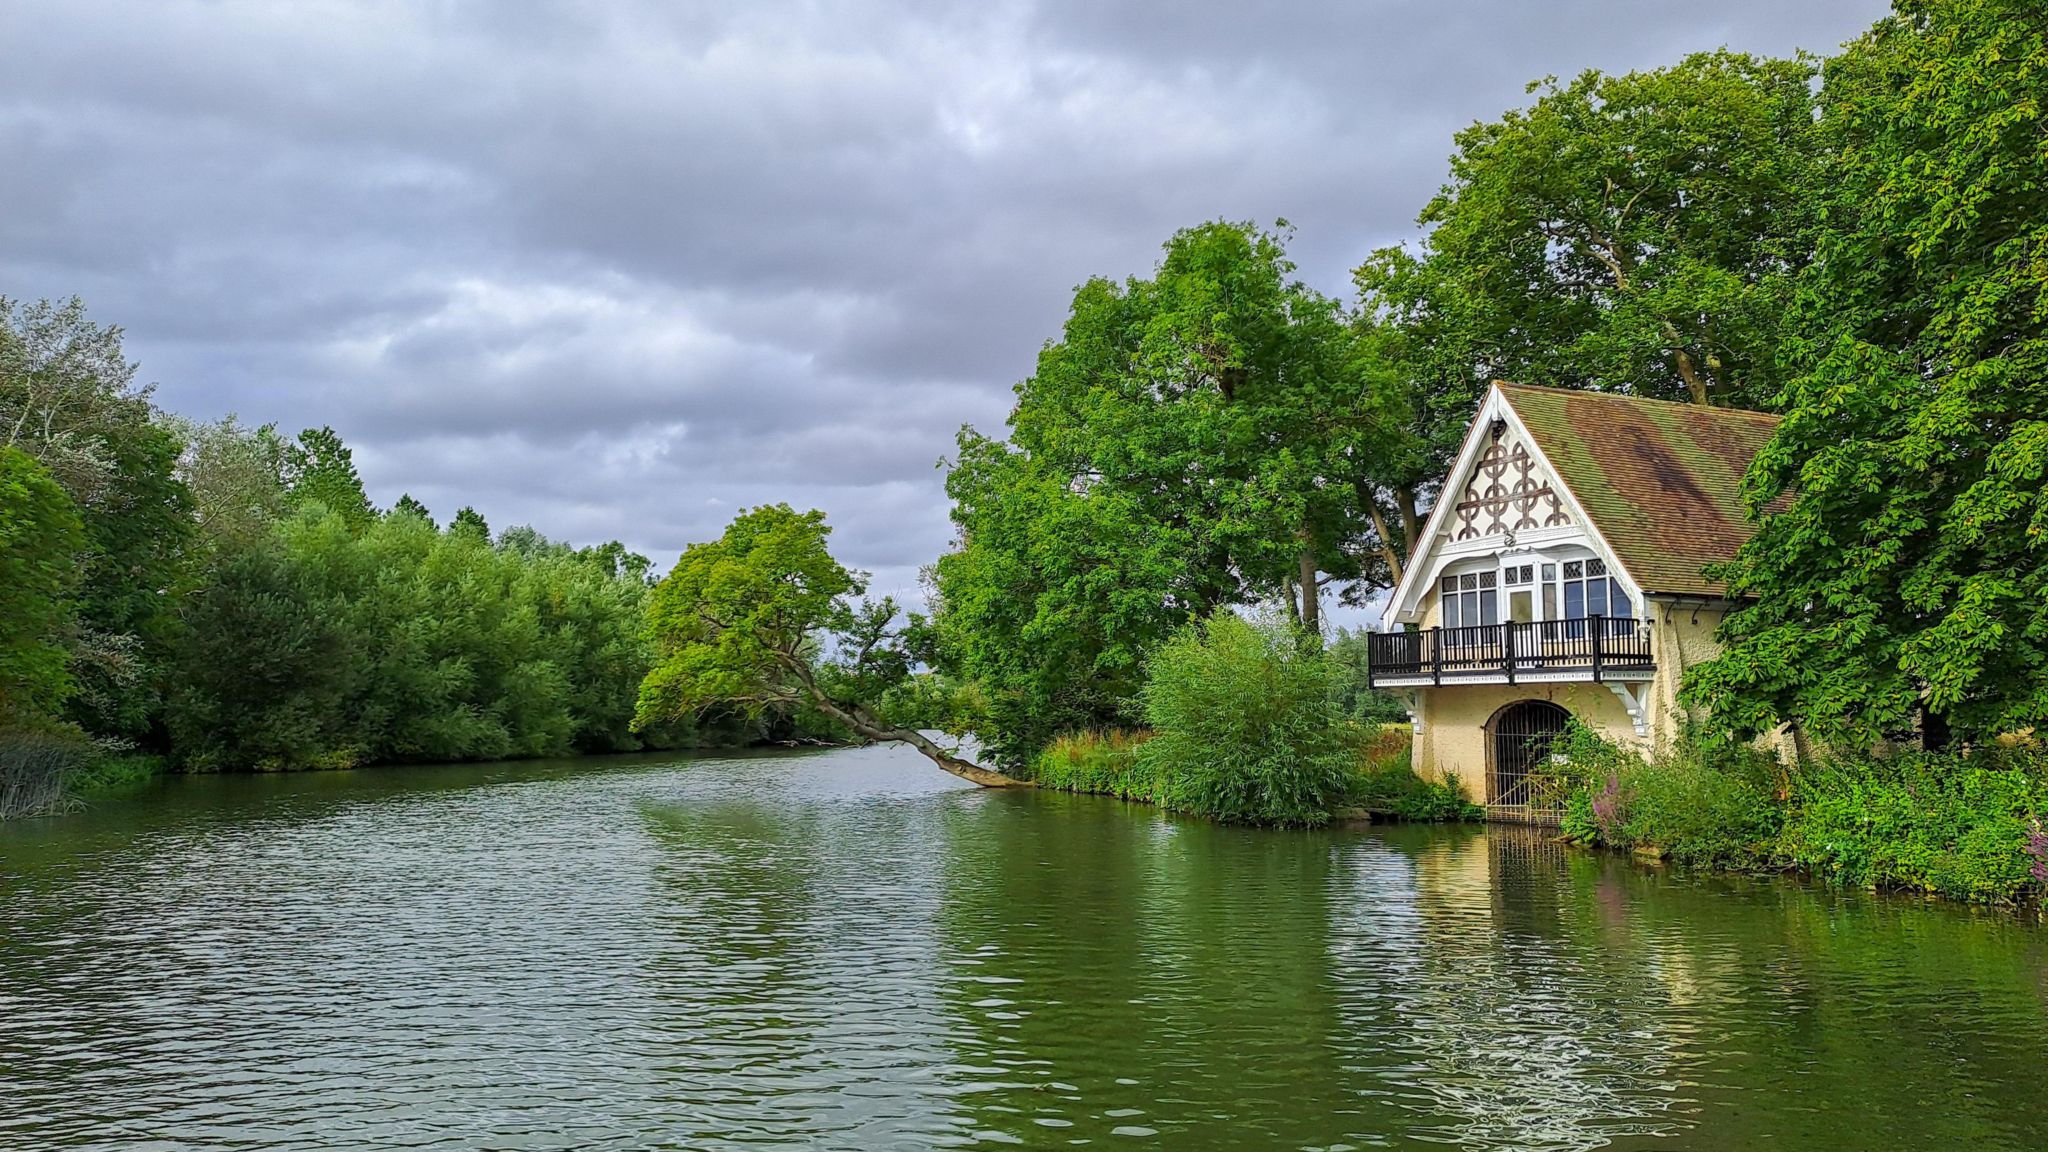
619, 269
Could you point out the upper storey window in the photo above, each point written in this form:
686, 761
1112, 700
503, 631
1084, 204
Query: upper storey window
1589, 591
1472, 598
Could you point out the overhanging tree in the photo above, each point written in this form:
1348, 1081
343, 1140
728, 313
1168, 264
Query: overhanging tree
743, 621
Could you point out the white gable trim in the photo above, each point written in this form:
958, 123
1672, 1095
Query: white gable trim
1404, 606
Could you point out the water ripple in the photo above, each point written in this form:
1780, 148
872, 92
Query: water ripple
845, 950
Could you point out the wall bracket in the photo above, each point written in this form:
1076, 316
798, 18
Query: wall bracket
1635, 699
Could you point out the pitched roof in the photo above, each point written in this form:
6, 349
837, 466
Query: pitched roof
1661, 481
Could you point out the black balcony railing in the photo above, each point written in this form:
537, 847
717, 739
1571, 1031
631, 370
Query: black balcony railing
1597, 645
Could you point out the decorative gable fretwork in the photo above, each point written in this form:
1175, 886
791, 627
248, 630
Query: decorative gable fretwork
1507, 493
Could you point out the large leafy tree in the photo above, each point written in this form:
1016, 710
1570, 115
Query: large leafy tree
40, 538
741, 622
236, 477
1193, 439
68, 398
1902, 559
1631, 233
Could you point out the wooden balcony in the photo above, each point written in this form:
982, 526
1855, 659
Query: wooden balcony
1595, 649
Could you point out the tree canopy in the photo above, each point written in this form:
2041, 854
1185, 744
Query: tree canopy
1630, 233
1193, 440
1902, 557
40, 538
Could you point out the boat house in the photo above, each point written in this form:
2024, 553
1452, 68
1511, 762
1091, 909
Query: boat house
1561, 576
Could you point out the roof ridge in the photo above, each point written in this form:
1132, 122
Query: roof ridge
1631, 398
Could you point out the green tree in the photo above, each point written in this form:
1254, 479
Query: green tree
740, 623
1629, 233
319, 467
1192, 440
318, 645
1902, 557
407, 506
68, 398
40, 539
1351, 690
470, 522
236, 476
262, 671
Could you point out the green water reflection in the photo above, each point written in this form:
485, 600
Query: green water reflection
843, 950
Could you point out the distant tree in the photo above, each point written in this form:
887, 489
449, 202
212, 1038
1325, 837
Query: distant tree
470, 522
1902, 558
741, 623
407, 506
614, 559
320, 468
40, 539
236, 476
320, 645
1351, 688
1629, 233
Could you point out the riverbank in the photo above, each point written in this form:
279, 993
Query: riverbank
1962, 827
1378, 782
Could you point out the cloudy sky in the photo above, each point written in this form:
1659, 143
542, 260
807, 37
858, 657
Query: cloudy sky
617, 269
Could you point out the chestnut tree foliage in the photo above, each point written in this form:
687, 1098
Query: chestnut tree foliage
1910, 567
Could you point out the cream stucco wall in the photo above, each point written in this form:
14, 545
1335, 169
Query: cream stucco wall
1454, 716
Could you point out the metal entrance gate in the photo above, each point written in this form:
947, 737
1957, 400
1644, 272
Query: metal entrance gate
1518, 742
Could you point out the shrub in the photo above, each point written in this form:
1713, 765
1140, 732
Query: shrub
1101, 761
1967, 827
1385, 784
1963, 825
1700, 803
1243, 727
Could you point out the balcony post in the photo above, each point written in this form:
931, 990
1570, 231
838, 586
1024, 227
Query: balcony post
1436, 655
1598, 624
1507, 647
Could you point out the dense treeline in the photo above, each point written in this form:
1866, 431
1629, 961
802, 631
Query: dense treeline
215, 596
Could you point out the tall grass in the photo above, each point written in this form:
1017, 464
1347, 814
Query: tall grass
33, 769
1385, 783
1101, 761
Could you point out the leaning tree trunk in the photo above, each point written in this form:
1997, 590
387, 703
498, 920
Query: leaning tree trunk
867, 726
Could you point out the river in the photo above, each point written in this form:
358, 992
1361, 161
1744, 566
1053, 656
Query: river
847, 949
